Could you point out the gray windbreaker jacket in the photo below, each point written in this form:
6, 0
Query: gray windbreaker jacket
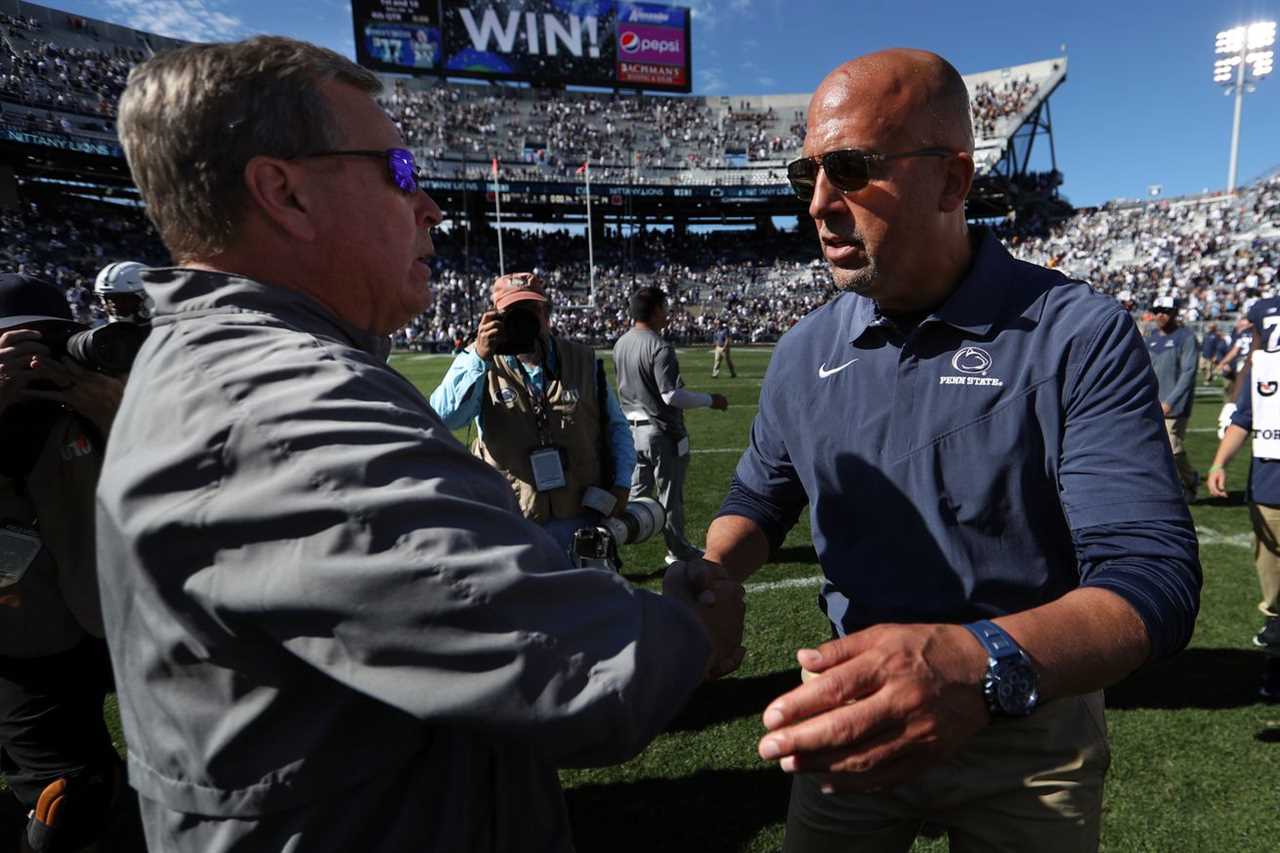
331, 628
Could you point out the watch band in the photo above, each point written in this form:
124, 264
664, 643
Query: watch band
999, 645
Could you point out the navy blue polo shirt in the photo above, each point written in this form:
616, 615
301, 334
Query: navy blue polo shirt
1003, 452
1264, 474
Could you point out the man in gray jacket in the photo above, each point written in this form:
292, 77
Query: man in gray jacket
331, 628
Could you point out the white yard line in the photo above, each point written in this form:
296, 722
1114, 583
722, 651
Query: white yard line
789, 583
1209, 536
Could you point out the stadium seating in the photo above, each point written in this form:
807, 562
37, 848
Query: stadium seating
62, 75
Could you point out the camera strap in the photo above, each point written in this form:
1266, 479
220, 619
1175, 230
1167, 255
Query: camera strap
541, 404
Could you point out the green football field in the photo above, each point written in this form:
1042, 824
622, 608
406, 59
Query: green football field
1196, 754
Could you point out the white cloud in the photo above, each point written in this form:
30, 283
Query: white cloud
767, 82
710, 81
740, 5
705, 12
192, 20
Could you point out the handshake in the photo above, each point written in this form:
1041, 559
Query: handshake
718, 601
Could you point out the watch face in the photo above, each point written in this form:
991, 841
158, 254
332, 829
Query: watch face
1014, 687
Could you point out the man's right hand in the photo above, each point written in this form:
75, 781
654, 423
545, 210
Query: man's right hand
18, 349
489, 335
719, 402
719, 602
1217, 482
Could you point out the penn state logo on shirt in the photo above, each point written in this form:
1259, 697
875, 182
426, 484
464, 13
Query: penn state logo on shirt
973, 364
1266, 389
507, 396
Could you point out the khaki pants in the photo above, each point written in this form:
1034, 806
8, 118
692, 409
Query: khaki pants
1266, 555
1032, 784
722, 353
1177, 430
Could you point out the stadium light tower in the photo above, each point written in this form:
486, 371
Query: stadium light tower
1245, 56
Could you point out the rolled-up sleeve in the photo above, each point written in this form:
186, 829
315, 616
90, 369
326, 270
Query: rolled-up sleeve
1132, 532
765, 487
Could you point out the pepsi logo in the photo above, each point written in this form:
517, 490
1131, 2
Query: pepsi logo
971, 360
630, 42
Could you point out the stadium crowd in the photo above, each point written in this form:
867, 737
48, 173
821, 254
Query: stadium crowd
46, 75
991, 103
1213, 257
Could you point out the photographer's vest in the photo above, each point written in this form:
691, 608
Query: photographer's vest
1265, 378
511, 433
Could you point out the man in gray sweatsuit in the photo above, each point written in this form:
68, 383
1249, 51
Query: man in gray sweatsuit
331, 628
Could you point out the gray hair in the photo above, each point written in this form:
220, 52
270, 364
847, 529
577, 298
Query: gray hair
191, 119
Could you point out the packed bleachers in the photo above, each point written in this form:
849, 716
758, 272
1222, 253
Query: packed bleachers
63, 74
539, 134
1213, 256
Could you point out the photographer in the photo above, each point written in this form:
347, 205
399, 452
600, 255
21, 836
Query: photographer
546, 415
55, 414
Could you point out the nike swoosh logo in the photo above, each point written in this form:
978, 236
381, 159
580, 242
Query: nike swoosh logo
823, 373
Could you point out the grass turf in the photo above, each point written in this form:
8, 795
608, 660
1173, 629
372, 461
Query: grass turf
1196, 754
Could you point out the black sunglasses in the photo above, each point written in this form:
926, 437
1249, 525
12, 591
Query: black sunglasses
1163, 310
848, 169
400, 164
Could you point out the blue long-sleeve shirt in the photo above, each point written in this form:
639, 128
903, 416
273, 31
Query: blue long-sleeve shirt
1173, 359
1003, 452
458, 398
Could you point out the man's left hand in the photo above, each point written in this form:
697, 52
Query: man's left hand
623, 494
1166, 408
892, 701
87, 392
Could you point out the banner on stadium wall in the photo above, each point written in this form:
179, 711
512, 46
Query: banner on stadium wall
573, 194
653, 46
397, 35
606, 43
61, 142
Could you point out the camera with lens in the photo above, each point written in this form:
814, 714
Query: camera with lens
521, 325
596, 546
107, 349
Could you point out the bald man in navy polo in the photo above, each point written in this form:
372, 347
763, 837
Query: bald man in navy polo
993, 501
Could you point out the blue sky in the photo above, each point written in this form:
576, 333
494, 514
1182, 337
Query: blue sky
1139, 106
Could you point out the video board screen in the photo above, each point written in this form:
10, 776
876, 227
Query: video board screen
606, 43
397, 35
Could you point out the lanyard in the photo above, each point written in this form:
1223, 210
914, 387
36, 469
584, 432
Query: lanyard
538, 396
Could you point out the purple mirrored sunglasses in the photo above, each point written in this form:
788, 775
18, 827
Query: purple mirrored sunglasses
400, 163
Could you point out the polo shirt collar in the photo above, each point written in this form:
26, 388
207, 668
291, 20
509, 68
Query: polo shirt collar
978, 300
973, 306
